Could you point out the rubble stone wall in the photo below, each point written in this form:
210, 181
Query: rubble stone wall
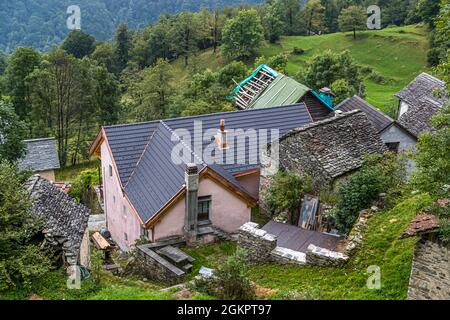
258, 243
155, 267
430, 274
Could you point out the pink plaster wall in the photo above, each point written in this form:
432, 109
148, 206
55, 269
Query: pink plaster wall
228, 211
119, 216
251, 184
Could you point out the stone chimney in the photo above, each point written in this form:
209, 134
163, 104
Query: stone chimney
221, 138
191, 210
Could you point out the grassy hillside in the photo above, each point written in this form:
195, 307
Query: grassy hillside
398, 54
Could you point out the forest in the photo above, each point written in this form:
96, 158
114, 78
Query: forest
155, 72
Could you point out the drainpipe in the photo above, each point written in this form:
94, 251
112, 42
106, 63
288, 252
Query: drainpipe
191, 205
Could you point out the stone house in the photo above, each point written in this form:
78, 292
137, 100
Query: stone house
396, 138
326, 150
148, 193
41, 157
430, 272
65, 221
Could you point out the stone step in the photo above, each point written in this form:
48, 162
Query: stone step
187, 268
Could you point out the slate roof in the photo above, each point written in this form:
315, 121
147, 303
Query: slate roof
65, 219
418, 118
40, 155
332, 147
425, 96
379, 120
423, 89
142, 151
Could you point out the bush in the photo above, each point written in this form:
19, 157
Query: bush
377, 77
230, 281
379, 173
286, 193
298, 51
83, 189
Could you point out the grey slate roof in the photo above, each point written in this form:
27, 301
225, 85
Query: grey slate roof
65, 219
142, 151
379, 120
332, 147
40, 155
424, 88
425, 96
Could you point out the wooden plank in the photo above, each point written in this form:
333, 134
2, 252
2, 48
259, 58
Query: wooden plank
100, 242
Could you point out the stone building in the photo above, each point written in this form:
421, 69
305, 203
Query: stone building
430, 272
326, 150
65, 221
41, 157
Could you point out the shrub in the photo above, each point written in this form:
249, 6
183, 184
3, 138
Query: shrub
377, 77
230, 281
298, 51
21, 261
286, 193
379, 173
83, 188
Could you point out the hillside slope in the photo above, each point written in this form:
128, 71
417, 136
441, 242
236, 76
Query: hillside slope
42, 23
398, 54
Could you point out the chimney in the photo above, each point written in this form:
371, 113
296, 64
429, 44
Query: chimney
221, 137
191, 209
327, 95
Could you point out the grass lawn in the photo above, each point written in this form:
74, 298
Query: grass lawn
398, 54
69, 174
381, 247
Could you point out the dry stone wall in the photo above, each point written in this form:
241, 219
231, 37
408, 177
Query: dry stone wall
430, 274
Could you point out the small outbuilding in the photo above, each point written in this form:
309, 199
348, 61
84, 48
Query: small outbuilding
41, 157
65, 221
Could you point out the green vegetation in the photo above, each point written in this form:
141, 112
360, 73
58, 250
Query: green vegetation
22, 262
379, 173
381, 247
70, 174
399, 54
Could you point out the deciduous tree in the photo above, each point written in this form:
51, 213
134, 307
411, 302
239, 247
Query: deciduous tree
352, 18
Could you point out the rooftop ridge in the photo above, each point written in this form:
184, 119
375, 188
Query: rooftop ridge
204, 115
40, 139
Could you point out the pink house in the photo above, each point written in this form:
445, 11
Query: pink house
157, 183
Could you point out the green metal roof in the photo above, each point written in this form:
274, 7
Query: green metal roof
281, 92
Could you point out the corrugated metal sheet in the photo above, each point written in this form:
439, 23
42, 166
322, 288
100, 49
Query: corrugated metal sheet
282, 91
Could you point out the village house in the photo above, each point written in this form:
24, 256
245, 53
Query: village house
65, 221
326, 150
147, 194
419, 101
394, 136
41, 157
266, 88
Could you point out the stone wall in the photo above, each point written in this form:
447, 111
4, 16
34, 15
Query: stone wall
430, 274
262, 247
258, 243
318, 256
155, 267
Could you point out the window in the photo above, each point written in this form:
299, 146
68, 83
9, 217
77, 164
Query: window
114, 199
204, 207
393, 146
125, 236
144, 232
110, 170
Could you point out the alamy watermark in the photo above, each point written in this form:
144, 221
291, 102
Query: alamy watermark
374, 20
73, 22
222, 146
374, 279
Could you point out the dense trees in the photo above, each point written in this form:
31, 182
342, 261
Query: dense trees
242, 35
21, 261
12, 132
